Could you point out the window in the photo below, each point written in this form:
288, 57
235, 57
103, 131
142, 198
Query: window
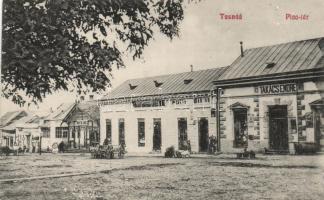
121, 129
187, 81
201, 100
157, 84
132, 87
270, 64
61, 132
240, 128
45, 132
141, 132
108, 130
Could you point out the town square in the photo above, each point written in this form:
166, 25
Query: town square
162, 99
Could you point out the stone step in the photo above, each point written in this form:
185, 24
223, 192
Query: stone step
273, 151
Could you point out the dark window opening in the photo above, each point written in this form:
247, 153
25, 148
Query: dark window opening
182, 134
132, 87
141, 132
121, 128
270, 64
187, 81
46, 132
203, 134
157, 134
158, 84
108, 131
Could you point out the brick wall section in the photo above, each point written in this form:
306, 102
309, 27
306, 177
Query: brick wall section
222, 109
257, 118
300, 113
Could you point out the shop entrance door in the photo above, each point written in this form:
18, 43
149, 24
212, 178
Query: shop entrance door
157, 134
203, 134
278, 128
182, 133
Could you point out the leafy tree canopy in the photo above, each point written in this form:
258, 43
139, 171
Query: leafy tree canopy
51, 45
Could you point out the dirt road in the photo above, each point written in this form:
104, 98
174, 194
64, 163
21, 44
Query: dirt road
205, 177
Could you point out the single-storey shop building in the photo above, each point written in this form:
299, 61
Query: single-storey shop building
272, 97
151, 114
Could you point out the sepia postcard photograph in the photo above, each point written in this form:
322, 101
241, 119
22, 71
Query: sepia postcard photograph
162, 99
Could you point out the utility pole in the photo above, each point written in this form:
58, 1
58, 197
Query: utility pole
40, 145
218, 118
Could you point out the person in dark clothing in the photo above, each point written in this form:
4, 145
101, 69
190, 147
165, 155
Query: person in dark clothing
61, 147
106, 141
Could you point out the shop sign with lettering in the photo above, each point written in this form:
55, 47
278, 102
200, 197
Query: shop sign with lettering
81, 123
276, 88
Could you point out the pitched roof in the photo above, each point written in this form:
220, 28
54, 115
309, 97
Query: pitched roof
10, 117
292, 57
196, 81
22, 118
90, 107
61, 112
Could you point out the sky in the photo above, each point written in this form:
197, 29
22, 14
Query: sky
206, 41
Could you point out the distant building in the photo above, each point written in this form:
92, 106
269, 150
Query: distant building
151, 114
83, 122
272, 97
8, 124
76, 124
28, 133
54, 130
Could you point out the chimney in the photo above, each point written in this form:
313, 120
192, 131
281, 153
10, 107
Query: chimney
242, 52
191, 68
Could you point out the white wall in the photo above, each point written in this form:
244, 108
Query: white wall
169, 123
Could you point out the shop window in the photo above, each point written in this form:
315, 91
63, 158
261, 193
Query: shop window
141, 132
61, 132
45, 132
108, 131
240, 128
121, 130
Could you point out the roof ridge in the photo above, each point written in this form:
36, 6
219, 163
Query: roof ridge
284, 43
165, 75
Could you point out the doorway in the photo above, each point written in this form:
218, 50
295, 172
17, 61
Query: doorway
278, 128
182, 133
240, 128
203, 134
157, 134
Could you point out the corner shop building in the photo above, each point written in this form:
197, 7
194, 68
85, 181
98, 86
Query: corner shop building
272, 97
